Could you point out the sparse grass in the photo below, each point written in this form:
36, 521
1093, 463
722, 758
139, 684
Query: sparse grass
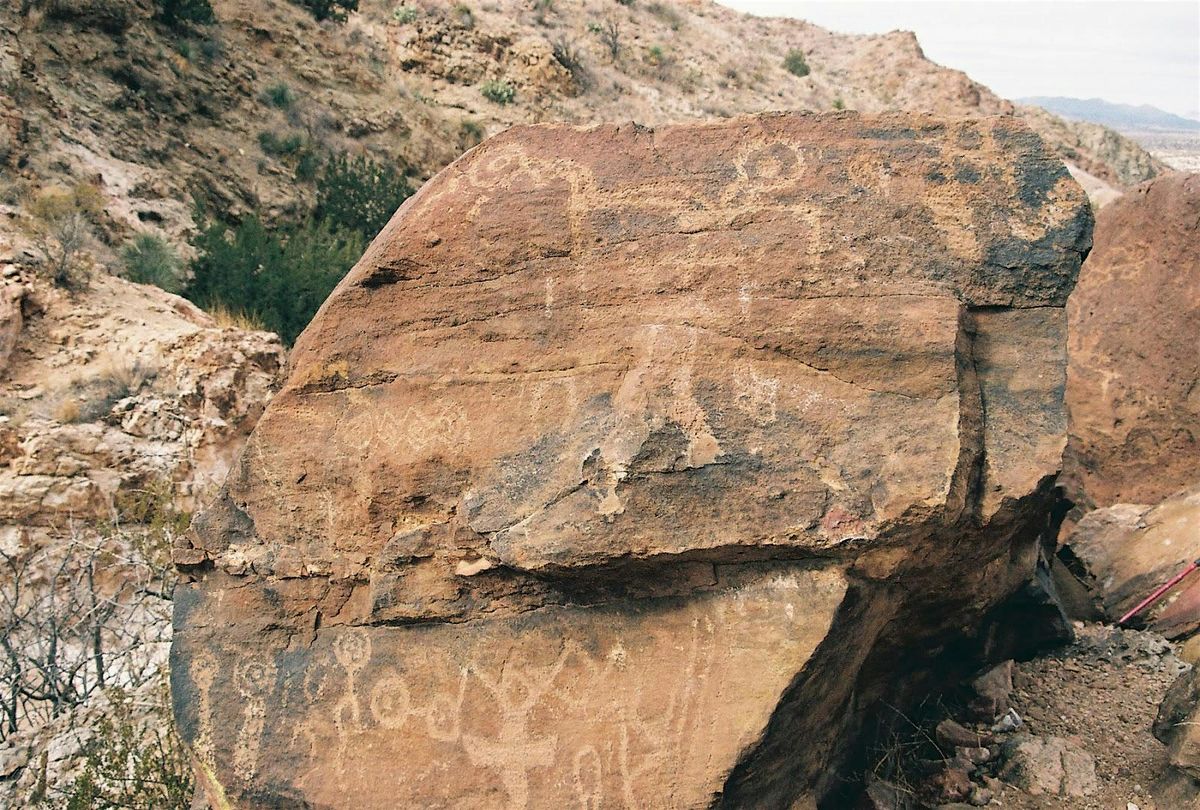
91, 399
795, 63
498, 91
838, 104
68, 412
227, 318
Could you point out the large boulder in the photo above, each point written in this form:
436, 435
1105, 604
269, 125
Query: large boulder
638, 467
1132, 385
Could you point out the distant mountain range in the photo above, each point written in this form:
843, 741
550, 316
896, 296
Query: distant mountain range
1123, 117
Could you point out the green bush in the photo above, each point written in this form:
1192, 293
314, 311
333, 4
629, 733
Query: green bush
838, 104
179, 13
150, 259
358, 193
328, 9
498, 91
278, 278
794, 63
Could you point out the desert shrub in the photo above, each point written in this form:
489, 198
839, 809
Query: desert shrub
838, 104
795, 63
470, 133
667, 13
178, 13
308, 163
335, 10
609, 33
150, 259
463, 15
567, 55
357, 193
540, 9
498, 91
60, 225
280, 146
134, 761
279, 95
278, 278
405, 14
89, 614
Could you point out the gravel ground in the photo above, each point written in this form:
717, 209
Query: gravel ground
1104, 692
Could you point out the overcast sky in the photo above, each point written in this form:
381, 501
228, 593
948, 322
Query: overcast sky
1119, 50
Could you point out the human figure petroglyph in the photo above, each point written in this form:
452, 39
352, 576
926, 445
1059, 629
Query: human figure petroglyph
203, 670
253, 682
613, 750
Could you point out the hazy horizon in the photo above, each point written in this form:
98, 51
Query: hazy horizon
1117, 50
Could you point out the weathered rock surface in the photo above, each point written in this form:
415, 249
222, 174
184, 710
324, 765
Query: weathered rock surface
1131, 549
1132, 385
636, 467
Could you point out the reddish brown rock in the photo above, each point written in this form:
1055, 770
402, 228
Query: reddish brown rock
638, 467
1132, 385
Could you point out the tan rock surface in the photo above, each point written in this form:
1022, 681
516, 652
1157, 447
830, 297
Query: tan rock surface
1132, 385
625, 457
115, 388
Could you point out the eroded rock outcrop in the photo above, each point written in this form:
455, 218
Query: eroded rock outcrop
1132, 386
636, 467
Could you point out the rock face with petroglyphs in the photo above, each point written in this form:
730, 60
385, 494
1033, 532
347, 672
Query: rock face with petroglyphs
1133, 390
636, 467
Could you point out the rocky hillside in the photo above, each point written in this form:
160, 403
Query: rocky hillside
238, 110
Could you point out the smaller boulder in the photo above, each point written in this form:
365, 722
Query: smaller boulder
991, 692
1049, 766
1129, 550
1178, 723
951, 735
